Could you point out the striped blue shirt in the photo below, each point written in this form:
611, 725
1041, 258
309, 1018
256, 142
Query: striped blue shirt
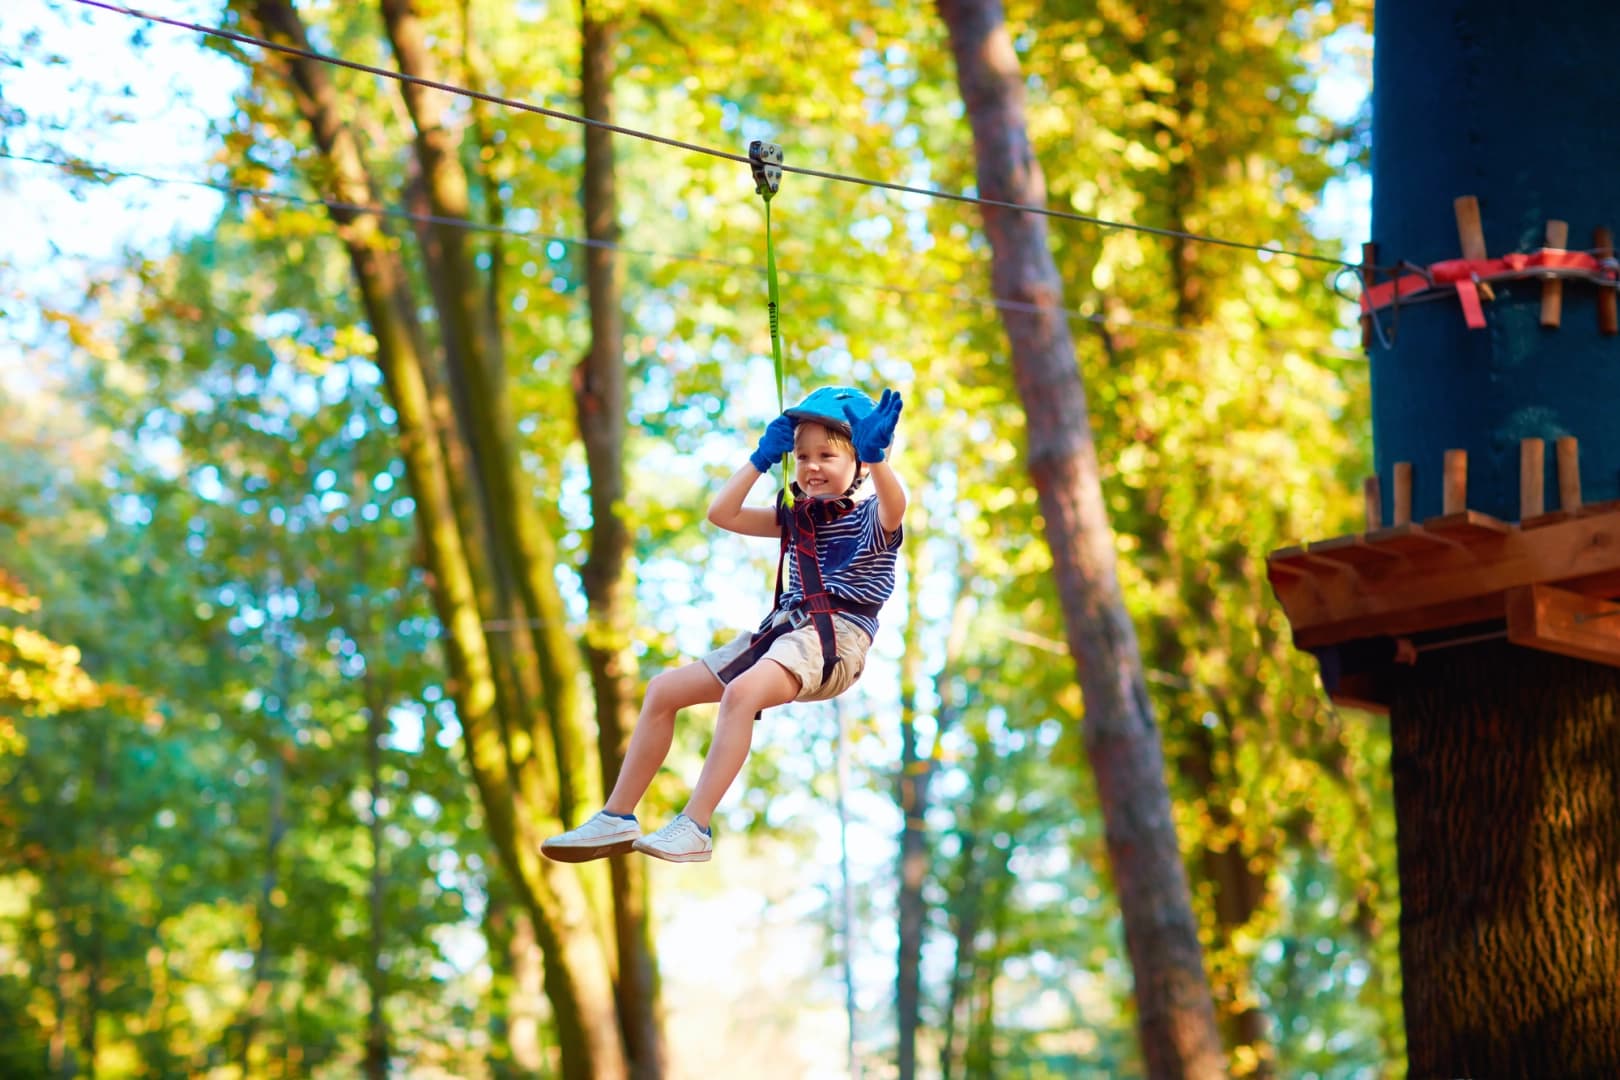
857, 561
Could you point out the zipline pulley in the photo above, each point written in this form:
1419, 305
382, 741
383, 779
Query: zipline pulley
765, 160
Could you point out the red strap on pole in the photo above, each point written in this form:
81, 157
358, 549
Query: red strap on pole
1467, 274
1473, 311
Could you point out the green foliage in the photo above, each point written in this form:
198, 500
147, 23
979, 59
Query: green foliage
231, 537
255, 526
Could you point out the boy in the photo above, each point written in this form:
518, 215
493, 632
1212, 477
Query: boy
811, 647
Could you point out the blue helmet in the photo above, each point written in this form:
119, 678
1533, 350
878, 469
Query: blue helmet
826, 407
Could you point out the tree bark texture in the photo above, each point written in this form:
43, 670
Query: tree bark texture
1175, 1016
1233, 872
601, 399
918, 767
377, 1052
512, 751
522, 556
912, 793
1507, 799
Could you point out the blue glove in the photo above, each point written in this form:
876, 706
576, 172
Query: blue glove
777, 440
873, 432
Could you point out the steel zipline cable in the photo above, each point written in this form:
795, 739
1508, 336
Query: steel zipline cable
618, 129
101, 172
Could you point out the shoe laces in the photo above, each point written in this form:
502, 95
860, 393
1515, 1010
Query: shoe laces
681, 825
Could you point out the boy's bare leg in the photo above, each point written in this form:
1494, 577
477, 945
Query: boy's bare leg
667, 694
763, 686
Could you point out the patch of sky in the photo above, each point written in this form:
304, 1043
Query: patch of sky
523, 219
1339, 86
871, 231
250, 618
405, 729
167, 92
753, 127
449, 724
206, 483
131, 510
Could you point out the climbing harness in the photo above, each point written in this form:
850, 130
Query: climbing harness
798, 519
799, 522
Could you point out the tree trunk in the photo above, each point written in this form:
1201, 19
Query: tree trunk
1507, 788
967, 908
912, 794
917, 771
600, 398
979, 1059
523, 1005
376, 978
846, 889
515, 768
1226, 871
1175, 1016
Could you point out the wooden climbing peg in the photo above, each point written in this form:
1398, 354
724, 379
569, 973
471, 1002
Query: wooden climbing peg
1471, 235
1402, 505
1552, 288
1608, 316
1469, 231
1532, 464
1373, 497
1369, 278
1454, 495
1569, 474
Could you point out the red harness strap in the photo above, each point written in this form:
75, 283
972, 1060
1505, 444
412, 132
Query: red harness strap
799, 533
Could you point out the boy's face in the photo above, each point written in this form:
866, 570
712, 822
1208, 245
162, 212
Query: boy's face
825, 466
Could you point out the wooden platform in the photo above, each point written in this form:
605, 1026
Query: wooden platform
1546, 580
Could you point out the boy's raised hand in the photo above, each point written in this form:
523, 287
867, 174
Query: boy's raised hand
873, 432
777, 440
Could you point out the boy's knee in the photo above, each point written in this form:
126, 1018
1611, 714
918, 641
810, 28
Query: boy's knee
661, 691
757, 689
736, 696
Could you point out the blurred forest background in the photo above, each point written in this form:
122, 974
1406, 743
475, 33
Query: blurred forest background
255, 819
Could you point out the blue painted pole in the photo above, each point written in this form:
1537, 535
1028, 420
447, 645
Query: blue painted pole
1516, 106
1505, 759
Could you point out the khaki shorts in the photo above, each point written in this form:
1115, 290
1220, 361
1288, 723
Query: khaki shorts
799, 651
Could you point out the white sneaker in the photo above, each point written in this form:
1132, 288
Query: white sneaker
679, 841
601, 836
